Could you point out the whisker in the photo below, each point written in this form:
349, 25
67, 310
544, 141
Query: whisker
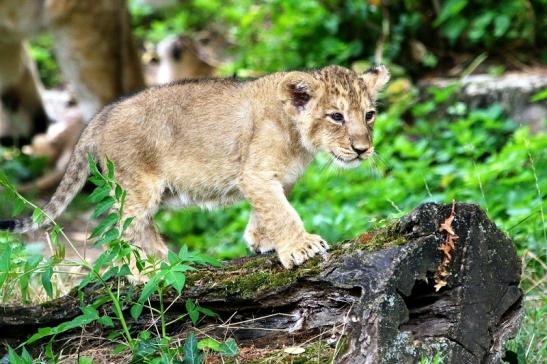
325, 167
374, 170
378, 158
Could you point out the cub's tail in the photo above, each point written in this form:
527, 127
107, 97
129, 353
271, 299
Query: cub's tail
72, 182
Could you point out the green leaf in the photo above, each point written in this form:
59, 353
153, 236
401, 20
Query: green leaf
103, 259
454, 28
42, 332
18, 207
108, 236
93, 165
479, 25
103, 206
229, 348
97, 181
119, 348
183, 252
209, 343
23, 286
151, 286
540, 96
108, 221
50, 354
176, 280
87, 279
207, 312
85, 360
106, 321
46, 281
38, 216
13, 357
89, 315
450, 9
136, 310
191, 308
126, 223
197, 258
118, 192
183, 268
191, 351
501, 25
25, 357
111, 272
110, 167
54, 234
99, 193
5, 263
172, 258
124, 271
4, 181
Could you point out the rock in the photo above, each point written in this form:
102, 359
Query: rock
512, 91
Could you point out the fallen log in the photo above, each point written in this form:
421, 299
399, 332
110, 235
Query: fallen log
443, 279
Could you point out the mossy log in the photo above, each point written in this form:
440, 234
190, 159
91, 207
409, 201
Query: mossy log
443, 279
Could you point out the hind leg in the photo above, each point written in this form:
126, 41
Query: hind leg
145, 234
142, 201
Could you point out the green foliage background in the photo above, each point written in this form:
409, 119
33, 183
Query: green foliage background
286, 34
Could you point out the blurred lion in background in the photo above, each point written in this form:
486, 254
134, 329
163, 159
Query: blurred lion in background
100, 62
93, 45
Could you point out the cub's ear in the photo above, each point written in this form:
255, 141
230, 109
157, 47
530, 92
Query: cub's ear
297, 89
376, 78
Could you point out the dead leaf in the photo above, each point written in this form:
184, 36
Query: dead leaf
447, 225
447, 247
439, 285
364, 238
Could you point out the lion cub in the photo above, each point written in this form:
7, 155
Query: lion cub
213, 142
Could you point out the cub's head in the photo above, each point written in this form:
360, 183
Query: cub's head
334, 110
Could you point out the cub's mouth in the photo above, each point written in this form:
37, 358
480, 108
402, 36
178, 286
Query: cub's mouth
347, 162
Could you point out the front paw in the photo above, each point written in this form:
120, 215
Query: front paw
297, 252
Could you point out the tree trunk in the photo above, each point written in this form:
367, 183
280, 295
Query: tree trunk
443, 279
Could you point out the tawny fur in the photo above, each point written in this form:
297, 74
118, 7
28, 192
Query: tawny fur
93, 45
214, 142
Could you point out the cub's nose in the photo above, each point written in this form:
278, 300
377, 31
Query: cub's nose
360, 148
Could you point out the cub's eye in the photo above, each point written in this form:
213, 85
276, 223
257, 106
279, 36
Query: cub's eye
336, 116
369, 115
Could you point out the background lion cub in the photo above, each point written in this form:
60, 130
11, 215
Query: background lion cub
214, 142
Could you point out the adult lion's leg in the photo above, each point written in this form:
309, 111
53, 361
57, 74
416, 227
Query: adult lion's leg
23, 113
96, 51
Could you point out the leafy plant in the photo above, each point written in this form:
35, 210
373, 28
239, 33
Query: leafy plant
119, 262
286, 34
437, 359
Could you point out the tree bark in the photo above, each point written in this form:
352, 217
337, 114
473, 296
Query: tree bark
443, 279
